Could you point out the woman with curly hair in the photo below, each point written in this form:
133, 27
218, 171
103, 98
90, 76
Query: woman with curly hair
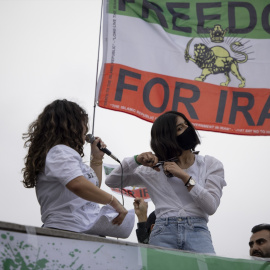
67, 190
184, 186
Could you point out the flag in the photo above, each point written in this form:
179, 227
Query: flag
133, 192
209, 60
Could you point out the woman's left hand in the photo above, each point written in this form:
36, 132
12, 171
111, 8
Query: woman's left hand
174, 169
95, 151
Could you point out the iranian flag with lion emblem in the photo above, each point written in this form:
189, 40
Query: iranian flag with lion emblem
207, 59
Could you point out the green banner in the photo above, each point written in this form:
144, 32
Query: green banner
22, 251
154, 259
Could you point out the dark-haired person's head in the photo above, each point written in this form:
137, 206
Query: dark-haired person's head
61, 122
259, 243
171, 134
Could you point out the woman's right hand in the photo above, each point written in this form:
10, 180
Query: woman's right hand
147, 159
120, 209
95, 151
140, 208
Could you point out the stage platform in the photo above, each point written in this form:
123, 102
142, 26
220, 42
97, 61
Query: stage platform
28, 248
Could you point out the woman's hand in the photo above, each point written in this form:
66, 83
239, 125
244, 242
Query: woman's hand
95, 151
147, 159
140, 207
174, 169
120, 209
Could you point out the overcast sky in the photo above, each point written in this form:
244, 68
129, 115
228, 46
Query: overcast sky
49, 50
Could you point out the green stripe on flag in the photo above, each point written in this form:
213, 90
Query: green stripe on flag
249, 19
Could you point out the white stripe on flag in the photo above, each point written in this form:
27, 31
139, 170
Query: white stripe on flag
148, 47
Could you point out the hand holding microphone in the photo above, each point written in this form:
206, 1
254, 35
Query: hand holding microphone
90, 139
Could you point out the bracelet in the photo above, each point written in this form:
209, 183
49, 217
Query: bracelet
111, 200
135, 157
188, 181
97, 163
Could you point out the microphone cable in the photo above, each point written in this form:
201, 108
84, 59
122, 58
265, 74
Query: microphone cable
121, 183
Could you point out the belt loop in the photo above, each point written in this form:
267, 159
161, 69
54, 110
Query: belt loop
167, 221
189, 221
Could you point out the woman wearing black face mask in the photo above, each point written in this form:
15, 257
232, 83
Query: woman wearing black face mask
185, 189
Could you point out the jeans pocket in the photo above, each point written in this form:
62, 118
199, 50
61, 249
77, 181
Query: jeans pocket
158, 228
200, 227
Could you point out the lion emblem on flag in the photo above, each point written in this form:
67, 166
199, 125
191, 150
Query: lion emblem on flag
217, 59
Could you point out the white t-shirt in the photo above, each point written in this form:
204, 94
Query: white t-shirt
61, 208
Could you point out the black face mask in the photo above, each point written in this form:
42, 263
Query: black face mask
187, 140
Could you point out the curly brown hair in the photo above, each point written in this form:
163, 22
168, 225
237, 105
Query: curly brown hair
61, 122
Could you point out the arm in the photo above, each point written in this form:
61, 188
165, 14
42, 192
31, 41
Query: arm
96, 165
88, 191
208, 197
96, 159
129, 165
142, 233
140, 207
131, 176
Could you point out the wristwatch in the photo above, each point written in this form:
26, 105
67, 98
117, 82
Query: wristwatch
191, 182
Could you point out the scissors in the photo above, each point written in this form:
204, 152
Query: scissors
168, 174
174, 159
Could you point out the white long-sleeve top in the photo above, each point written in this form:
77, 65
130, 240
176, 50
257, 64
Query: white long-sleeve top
169, 195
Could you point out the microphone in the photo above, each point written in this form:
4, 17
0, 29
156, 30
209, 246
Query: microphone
90, 139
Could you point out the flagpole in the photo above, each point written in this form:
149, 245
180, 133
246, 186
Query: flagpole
95, 102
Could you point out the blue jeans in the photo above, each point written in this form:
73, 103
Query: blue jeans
185, 233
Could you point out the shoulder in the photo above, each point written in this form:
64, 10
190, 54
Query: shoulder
63, 163
209, 161
214, 166
62, 153
62, 149
211, 164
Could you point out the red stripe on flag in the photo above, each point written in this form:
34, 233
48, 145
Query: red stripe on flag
209, 107
134, 193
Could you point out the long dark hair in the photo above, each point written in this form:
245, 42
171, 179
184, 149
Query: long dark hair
61, 122
163, 135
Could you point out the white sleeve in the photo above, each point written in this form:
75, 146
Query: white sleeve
63, 164
208, 197
131, 176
